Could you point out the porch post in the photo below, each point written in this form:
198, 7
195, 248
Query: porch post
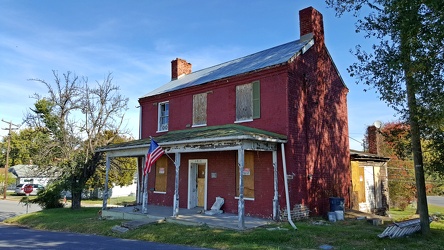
176, 186
275, 198
139, 187
105, 192
145, 190
241, 204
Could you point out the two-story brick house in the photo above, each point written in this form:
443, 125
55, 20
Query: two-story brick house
278, 116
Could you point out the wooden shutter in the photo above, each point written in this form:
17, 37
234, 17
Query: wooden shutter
256, 100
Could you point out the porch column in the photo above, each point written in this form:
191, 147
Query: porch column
105, 192
176, 186
241, 204
275, 198
139, 188
145, 190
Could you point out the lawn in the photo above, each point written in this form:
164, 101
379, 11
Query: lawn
312, 233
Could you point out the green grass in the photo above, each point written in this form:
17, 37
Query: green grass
348, 234
126, 200
409, 212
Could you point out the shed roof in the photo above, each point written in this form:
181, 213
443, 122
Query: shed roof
264, 59
364, 156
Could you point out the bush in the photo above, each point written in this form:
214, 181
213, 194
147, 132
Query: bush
49, 197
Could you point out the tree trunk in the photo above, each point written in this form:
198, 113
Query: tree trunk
76, 199
418, 162
408, 28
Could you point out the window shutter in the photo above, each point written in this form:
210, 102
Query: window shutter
256, 100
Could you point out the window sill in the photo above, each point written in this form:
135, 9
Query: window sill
199, 125
158, 192
161, 131
245, 198
242, 121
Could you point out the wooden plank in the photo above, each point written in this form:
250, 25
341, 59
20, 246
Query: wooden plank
161, 174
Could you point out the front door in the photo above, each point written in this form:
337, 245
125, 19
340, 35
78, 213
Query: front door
369, 187
197, 184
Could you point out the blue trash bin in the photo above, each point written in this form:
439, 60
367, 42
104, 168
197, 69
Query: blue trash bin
336, 204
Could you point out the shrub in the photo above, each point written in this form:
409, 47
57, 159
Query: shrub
49, 197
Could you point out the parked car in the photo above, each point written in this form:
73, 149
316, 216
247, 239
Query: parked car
20, 189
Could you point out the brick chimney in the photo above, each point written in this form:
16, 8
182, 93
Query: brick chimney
372, 140
311, 21
179, 67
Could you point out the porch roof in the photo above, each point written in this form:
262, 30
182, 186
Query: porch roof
198, 135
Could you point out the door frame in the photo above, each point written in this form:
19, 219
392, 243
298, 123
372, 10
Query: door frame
193, 172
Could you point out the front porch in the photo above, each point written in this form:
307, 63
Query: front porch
194, 217
182, 145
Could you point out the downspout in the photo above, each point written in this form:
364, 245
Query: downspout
287, 196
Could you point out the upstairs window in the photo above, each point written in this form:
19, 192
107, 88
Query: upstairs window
163, 116
248, 102
200, 110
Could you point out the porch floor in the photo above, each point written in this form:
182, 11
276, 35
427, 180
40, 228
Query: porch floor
195, 216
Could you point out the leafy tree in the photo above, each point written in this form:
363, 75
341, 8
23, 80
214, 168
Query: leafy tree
122, 169
75, 116
406, 67
394, 142
10, 180
25, 145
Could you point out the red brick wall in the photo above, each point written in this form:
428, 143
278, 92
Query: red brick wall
318, 148
221, 103
224, 164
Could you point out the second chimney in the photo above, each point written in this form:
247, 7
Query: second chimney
179, 67
372, 139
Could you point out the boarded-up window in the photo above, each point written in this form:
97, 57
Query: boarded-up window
200, 109
161, 174
248, 174
248, 101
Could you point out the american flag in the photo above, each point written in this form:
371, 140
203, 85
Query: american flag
154, 153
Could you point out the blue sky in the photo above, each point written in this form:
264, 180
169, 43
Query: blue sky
136, 41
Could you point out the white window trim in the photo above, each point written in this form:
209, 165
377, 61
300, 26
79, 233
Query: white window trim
158, 116
159, 192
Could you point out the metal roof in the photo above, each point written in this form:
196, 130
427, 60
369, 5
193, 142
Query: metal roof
264, 59
203, 134
28, 171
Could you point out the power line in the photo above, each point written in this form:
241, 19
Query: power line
7, 154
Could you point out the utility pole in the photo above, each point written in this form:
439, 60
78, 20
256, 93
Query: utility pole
7, 155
